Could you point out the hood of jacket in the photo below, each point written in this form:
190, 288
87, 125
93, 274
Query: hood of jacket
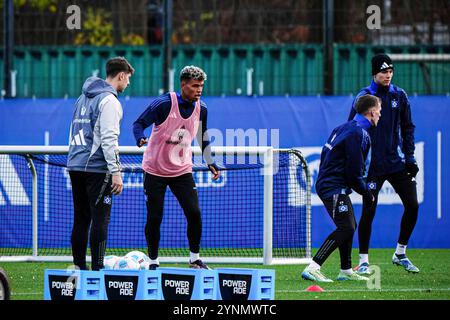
94, 86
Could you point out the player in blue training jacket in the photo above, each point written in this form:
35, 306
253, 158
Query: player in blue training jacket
93, 160
344, 162
393, 160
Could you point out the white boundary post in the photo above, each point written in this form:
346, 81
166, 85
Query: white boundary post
268, 206
438, 175
419, 56
249, 81
34, 206
308, 213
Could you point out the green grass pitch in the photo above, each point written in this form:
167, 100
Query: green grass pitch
433, 281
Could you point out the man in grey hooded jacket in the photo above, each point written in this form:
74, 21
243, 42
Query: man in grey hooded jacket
93, 160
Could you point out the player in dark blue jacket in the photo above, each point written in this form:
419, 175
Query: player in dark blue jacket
344, 163
392, 160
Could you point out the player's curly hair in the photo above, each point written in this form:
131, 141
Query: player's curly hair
192, 73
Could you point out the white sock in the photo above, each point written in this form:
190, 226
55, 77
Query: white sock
363, 258
348, 271
194, 256
156, 261
401, 249
313, 266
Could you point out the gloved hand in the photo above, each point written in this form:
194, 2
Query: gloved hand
214, 170
141, 142
412, 168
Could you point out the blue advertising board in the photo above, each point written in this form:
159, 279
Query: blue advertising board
285, 122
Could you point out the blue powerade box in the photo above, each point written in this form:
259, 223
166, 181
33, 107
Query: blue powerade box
187, 284
245, 284
73, 285
160, 284
131, 284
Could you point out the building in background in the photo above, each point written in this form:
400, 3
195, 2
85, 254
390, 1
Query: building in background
249, 47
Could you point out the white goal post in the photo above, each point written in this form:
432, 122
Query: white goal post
265, 156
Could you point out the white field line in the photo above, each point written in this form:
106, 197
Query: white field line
372, 290
27, 293
298, 291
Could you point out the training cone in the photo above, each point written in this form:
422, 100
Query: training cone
314, 289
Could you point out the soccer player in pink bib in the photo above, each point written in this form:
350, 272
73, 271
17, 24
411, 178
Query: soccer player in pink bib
177, 118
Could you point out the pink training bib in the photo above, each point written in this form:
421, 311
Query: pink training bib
169, 152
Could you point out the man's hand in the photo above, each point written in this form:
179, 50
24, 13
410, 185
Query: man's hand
412, 168
142, 141
214, 170
117, 184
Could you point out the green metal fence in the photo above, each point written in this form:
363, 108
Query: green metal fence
352, 69
268, 70
56, 72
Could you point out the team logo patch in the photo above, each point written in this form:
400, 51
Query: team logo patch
181, 133
177, 136
394, 104
372, 185
107, 200
342, 207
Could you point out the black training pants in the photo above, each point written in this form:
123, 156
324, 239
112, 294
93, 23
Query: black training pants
184, 189
92, 201
340, 209
405, 186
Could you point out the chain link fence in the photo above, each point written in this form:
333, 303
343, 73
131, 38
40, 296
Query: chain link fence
246, 46
139, 22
